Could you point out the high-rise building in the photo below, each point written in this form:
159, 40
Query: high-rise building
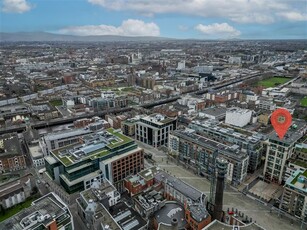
279, 151
107, 153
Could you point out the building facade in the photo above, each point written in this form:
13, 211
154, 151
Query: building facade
154, 129
197, 151
280, 151
294, 199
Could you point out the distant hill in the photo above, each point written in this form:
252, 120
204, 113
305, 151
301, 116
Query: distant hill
43, 37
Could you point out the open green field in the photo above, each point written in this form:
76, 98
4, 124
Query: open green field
56, 102
273, 81
303, 102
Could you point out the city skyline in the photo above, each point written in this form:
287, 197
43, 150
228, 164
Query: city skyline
197, 19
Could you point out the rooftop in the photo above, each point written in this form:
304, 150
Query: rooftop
42, 212
230, 151
294, 133
66, 134
158, 119
184, 188
92, 146
126, 217
171, 210
298, 181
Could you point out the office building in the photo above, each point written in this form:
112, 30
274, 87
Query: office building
294, 199
196, 150
55, 140
107, 153
279, 151
154, 129
247, 141
48, 212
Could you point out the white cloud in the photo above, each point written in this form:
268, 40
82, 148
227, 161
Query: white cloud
130, 27
221, 30
242, 11
16, 6
294, 16
183, 27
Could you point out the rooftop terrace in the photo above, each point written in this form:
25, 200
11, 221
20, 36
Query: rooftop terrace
91, 146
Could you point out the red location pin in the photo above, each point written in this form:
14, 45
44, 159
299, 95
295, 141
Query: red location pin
281, 120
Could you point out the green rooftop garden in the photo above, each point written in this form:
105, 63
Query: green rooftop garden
68, 160
56, 102
303, 102
298, 175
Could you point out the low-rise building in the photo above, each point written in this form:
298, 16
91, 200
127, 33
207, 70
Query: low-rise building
16, 191
11, 155
238, 117
47, 212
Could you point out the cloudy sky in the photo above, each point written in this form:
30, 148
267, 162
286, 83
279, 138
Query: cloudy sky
201, 19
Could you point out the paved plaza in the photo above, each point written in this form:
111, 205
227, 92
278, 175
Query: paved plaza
259, 212
266, 191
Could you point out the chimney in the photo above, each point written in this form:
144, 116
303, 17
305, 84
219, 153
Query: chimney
174, 224
221, 168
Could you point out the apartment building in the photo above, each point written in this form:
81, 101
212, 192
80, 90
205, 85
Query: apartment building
247, 141
279, 151
197, 151
154, 129
294, 199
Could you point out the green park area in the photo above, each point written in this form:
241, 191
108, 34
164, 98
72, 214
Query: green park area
273, 81
303, 102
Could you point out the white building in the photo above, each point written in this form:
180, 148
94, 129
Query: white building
107, 95
238, 117
37, 156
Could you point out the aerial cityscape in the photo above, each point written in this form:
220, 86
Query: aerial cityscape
135, 115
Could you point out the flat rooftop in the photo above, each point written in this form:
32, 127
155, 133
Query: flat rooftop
95, 145
171, 210
298, 181
126, 217
42, 212
231, 151
158, 119
294, 133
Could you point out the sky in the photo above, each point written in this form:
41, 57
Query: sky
199, 19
